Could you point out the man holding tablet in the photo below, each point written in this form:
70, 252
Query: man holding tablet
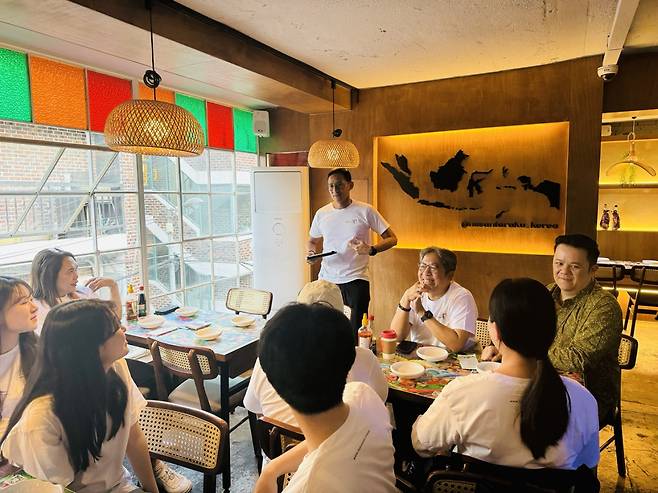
343, 226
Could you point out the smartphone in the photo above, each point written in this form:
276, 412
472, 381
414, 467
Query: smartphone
406, 347
320, 255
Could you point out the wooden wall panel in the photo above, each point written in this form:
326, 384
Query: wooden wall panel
562, 92
628, 245
636, 85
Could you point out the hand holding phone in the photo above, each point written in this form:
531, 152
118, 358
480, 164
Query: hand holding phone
406, 347
316, 256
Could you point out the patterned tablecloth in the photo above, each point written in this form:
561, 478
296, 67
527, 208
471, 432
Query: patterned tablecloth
232, 337
430, 385
13, 481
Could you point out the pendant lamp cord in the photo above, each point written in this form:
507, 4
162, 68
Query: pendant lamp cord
152, 50
151, 77
333, 102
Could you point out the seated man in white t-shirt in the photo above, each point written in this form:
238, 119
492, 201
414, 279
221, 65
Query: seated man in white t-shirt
306, 352
261, 398
436, 310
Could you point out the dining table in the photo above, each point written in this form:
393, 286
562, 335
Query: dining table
235, 351
13, 478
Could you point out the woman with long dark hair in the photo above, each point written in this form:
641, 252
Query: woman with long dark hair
54, 278
523, 414
18, 320
78, 417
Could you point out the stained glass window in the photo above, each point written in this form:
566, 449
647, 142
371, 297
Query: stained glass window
105, 92
220, 126
195, 106
245, 139
14, 86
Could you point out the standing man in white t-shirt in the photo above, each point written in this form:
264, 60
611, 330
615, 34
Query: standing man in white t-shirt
436, 310
306, 352
344, 226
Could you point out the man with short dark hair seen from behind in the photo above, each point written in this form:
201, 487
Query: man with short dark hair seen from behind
344, 226
589, 322
306, 352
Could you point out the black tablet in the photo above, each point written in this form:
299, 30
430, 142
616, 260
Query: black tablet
320, 255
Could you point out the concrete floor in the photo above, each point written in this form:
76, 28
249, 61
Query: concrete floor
640, 424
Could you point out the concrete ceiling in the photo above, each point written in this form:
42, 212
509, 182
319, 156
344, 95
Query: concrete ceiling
371, 43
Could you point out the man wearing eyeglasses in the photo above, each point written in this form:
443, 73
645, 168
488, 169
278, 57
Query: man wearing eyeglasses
436, 310
344, 226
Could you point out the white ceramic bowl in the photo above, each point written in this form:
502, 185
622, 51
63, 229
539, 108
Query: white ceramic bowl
242, 321
186, 311
432, 353
151, 321
209, 333
407, 369
487, 366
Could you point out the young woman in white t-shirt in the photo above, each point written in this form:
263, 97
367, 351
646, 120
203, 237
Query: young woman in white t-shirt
78, 417
18, 319
523, 414
54, 278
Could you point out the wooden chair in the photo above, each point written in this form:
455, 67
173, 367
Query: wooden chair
247, 300
458, 474
645, 276
627, 356
609, 275
275, 438
482, 332
188, 437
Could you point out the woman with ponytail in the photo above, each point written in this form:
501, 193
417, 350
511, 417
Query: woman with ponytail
523, 414
78, 417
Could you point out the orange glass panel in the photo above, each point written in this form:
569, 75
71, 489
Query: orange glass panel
58, 93
162, 94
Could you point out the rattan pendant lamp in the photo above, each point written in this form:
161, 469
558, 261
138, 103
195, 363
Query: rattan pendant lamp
334, 152
144, 126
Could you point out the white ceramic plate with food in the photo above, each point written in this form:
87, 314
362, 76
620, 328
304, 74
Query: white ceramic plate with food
487, 366
432, 353
209, 333
407, 369
186, 311
242, 321
151, 321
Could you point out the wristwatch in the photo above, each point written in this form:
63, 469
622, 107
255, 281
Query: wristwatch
373, 251
426, 316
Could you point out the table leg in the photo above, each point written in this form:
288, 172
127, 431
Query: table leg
224, 414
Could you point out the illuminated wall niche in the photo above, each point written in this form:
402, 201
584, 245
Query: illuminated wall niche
499, 189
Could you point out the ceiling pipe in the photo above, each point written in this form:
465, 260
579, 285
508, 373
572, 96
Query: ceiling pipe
621, 25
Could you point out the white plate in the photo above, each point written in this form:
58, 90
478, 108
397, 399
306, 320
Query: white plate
487, 366
242, 321
432, 353
33, 486
209, 333
408, 369
151, 321
186, 311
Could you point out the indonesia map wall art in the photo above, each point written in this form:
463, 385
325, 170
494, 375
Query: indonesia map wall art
498, 189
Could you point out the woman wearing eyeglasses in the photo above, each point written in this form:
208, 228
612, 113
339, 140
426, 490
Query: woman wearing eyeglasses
78, 417
18, 320
436, 310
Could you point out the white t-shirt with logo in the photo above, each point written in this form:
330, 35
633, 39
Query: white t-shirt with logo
38, 444
337, 227
12, 384
261, 398
479, 414
455, 309
357, 457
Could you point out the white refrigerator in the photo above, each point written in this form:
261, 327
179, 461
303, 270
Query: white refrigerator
280, 222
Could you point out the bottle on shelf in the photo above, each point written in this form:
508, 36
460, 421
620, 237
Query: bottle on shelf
365, 334
605, 217
131, 304
141, 303
616, 220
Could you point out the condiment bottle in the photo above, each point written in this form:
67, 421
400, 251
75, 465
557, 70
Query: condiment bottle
131, 304
141, 303
365, 334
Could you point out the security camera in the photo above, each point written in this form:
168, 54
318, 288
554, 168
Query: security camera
607, 72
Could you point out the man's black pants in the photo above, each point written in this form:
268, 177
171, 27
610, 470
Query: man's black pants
356, 295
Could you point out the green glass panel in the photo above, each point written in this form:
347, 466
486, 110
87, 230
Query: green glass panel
14, 86
197, 107
243, 132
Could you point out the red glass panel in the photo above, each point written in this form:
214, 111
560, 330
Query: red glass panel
220, 126
105, 92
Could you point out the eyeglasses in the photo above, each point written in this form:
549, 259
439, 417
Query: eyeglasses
434, 268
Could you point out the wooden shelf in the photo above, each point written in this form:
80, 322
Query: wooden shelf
632, 186
641, 231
